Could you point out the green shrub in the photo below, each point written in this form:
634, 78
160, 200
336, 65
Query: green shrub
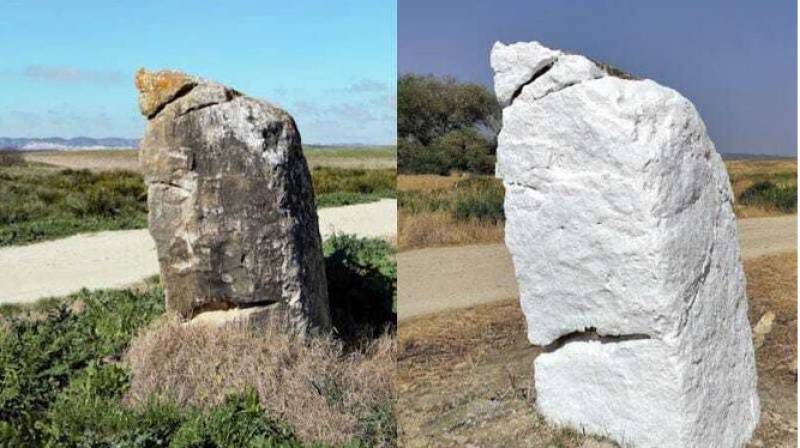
38, 357
89, 412
431, 201
479, 198
413, 158
11, 157
362, 280
766, 193
41, 204
465, 150
352, 183
60, 384
473, 198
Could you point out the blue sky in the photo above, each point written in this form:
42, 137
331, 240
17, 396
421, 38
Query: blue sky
736, 60
66, 68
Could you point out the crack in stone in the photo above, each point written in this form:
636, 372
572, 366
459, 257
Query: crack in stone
227, 305
230, 94
167, 183
591, 334
183, 91
539, 73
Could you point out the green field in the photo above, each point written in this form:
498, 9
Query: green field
42, 202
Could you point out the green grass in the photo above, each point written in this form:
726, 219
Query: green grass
768, 194
342, 186
40, 203
478, 198
60, 384
367, 152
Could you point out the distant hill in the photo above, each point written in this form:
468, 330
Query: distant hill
33, 144
745, 156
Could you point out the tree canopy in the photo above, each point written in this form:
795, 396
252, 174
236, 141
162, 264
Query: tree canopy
444, 125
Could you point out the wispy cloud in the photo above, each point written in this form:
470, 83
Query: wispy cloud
71, 74
367, 121
65, 121
339, 111
363, 86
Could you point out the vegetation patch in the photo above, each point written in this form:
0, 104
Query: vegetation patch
10, 157
445, 126
341, 186
41, 203
769, 195
450, 210
73, 371
363, 295
471, 198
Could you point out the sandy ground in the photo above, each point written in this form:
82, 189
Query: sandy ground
119, 258
436, 279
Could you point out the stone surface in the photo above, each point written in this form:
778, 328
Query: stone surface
620, 225
231, 206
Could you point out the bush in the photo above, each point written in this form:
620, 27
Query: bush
479, 198
38, 357
342, 186
61, 382
89, 412
362, 280
438, 123
414, 158
466, 150
767, 194
429, 107
11, 157
40, 204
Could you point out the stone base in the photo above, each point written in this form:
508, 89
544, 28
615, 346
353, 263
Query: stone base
258, 318
638, 393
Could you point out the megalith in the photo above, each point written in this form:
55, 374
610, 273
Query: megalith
620, 224
231, 205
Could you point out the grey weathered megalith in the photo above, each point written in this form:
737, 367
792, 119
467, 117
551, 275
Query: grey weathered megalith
231, 206
624, 242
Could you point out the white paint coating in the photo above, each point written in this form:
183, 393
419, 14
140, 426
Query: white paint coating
619, 219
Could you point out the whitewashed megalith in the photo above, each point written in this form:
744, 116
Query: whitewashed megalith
622, 233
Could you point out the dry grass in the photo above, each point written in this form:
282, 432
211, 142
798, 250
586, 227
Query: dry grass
745, 173
128, 159
772, 286
440, 229
95, 160
425, 182
465, 377
325, 393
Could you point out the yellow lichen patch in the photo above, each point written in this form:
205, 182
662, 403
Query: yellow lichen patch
158, 88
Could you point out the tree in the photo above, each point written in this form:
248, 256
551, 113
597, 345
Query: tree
466, 150
429, 107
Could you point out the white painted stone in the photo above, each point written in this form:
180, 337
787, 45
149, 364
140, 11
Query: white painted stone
515, 64
619, 219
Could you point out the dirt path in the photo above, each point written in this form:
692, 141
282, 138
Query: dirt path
437, 279
115, 259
